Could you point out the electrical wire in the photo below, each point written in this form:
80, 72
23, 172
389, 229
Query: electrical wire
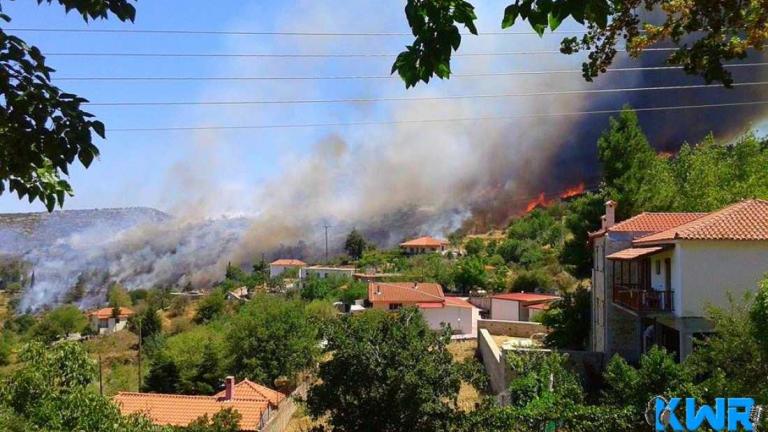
445, 120
266, 33
425, 98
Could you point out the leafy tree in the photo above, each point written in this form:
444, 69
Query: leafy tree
470, 273
49, 392
583, 217
723, 33
474, 246
117, 296
355, 244
271, 337
410, 380
163, 376
531, 281
62, 321
45, 129
758, 316
147, 323
316, 288
210, 307
354, 290
226, 420
542, 375
209, 372
569, 320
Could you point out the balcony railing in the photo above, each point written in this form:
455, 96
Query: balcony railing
642, 300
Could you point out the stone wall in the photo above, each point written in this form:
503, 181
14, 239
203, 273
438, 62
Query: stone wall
522, 329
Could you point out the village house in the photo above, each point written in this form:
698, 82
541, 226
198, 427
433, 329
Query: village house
424, 244
655, 274
519, 306
277, 267
104, 321
326, 272
438, 310
255, 403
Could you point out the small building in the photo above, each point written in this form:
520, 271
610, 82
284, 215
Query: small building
277, 267
655, 274
424, 244
519, 306
438, 310
255, 403
238, 294
104, 321
326, 272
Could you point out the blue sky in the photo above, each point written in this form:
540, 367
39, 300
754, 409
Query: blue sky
233, 171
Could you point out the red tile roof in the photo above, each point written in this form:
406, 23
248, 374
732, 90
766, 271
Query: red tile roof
526, 297
405, 292
745, 220
106, 313
458, 302
426, 242
632, 253
250, 390
539, 306
288, 263
251, 400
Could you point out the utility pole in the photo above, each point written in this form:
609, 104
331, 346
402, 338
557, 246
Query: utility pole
326, 226
101, 378
139, 381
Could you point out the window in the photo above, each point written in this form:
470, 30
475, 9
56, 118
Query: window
658, 267
395, 306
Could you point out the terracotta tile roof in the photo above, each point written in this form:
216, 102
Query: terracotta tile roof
745, 220
405, 292
288, 263
251, 400
250, 390
539, 306
426, 241
106, 313
458, 302
526, 297
180, 410
654, 222
632, 253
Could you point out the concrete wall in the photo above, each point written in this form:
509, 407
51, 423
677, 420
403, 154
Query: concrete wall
494, 363
508, 310
325, 272
511, 328
709, 270
658, 280
483, 303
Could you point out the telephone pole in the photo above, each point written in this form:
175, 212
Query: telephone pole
326, 226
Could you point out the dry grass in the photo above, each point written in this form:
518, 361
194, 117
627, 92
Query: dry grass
462, 349
119, 357
301, 422
469, 396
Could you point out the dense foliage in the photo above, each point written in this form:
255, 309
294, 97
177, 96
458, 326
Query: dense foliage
388, 372
724, 31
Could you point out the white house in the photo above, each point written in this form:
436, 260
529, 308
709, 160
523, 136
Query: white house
104, 320
437, 309
424, 244
326, 272
656, 273
519, 306
277, 267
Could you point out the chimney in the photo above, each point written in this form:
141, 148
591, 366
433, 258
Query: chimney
378, 289
610, 213
602, 222
229, 388
415, 285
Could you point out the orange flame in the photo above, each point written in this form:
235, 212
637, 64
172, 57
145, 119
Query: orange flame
573, 191
540, 200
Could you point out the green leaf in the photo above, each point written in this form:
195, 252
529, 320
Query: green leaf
510, 15
98, 127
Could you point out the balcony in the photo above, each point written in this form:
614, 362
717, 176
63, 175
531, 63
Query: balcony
642, 300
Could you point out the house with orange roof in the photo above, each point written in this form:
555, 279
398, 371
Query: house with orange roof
424, 244
254, 402
655, 274
437, 308
109, 320
277, 267
519, 306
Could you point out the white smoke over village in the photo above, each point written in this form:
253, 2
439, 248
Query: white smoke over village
390, 181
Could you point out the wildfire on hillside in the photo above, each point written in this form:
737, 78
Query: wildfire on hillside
543, 201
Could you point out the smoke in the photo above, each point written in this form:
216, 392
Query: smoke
389, 181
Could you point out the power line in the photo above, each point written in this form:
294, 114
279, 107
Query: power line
380, 77
445, 120
300, 55
421, 99
267, 33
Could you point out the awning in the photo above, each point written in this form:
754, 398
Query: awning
634, 253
